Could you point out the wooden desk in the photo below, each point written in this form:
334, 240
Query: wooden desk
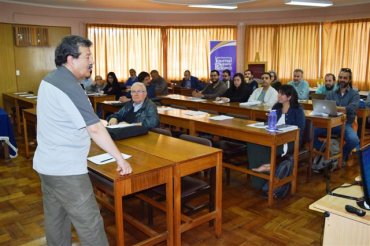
95, 99
362, 113
237, 129
13, 100
341, 227
29, 115
189, 158
148, 171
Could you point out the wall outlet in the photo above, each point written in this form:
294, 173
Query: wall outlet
17, 72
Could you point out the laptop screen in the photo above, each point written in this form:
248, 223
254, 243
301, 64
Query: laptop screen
365, 172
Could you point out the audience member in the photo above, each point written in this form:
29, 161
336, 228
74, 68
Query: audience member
330, 84
238, 91
97, 86
132, 79
214, 89
191, 82
300, 85
226, 77
161, 87
139, 110
349, 99
112, 87
275, 83
249, 78
265, 94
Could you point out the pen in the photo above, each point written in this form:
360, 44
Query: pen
106, 160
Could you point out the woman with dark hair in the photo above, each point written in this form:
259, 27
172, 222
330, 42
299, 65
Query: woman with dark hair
289, 112
275, 83
238, 91
112, 87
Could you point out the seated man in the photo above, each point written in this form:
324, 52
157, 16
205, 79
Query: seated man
265, 94
300, 85
161, 87
139, 110
249, 78
215, 89
132, 79
226, 77
143, 77
330, 84
348, 98
191, 82
97, 86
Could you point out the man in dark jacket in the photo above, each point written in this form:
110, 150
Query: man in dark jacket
191, 82
139, 110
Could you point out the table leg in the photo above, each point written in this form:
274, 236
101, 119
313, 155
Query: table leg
177, 207
218, 198
118, 193
295, 164
26, 136
272, 175
169, 209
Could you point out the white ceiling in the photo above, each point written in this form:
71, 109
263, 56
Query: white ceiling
173, 6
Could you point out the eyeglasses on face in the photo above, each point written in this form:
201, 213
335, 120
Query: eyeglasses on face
137, 92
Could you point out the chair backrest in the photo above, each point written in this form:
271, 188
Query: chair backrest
162, 131
194, 139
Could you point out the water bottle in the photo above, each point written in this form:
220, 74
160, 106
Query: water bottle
272, 121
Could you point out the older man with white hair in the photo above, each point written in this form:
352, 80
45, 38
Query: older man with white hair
139, 110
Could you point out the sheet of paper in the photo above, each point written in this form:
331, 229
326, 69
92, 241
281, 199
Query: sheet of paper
250, 103
174, 96
196, 99
32, 97
111, 102
105, 158
195, 113
161, 109
123, 125
26, 95
258, 125
219, 102
221, 117
19, 93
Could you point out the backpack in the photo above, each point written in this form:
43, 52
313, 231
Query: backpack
319, 163
283, 170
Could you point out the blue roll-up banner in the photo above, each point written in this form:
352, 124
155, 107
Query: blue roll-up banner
223, 56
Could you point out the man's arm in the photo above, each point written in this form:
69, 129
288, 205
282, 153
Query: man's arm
305, 91
351, 108
101, 137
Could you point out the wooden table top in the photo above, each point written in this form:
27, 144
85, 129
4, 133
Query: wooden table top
170, 148
18, 97
140, 161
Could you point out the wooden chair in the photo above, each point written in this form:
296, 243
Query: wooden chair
191, 188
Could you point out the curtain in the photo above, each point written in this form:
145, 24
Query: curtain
346, 44
119, 48
188, 49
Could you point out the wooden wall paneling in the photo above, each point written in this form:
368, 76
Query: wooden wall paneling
35, 62
7, 68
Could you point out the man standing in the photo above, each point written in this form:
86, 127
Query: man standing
191, 82
161, 87
300, 85
349, 99
330, 84
215, 89
65, 124
226, 77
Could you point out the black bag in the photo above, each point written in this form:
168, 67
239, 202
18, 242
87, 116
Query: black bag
283, 170
126, 132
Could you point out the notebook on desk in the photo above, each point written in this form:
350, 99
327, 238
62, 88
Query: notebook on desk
324, 108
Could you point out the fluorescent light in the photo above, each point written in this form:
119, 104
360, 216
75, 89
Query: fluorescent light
314, 3
212, 6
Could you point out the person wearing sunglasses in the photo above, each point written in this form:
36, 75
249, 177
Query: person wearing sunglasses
139, 110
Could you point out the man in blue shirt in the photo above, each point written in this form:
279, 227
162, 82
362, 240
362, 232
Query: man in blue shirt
330, 84
300, 85
349, 99
132, 78
191, 82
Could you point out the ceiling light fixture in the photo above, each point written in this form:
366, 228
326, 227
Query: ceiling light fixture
313, 3
212, 6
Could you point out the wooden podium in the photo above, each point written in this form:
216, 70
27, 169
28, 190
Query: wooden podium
341, 227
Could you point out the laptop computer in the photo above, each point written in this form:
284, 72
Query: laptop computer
324, 108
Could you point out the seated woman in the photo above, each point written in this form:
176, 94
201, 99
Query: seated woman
139, 110
239, 91
112, 87
275, 83
289, 112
